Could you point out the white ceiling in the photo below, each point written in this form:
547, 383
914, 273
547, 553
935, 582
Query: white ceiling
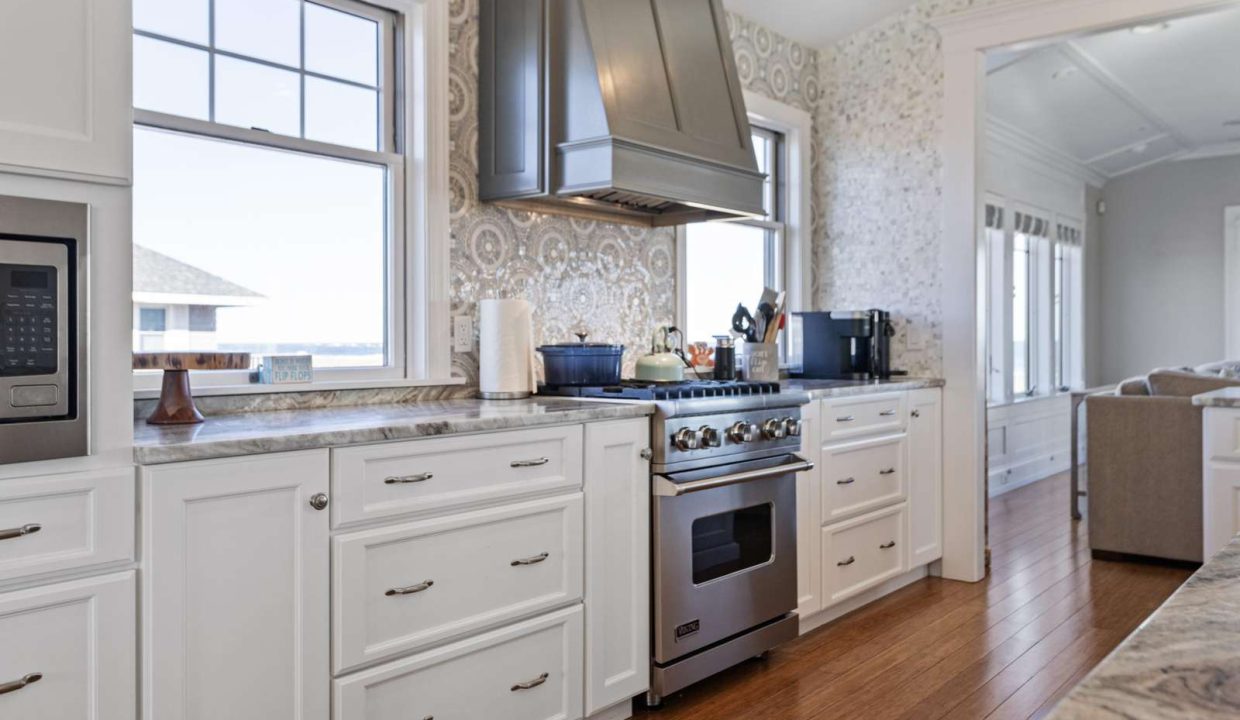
817, 23
1119, 101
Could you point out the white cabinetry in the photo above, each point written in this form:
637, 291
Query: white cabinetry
925, 476
235, 589
617, 634
870, 513
68, 651
66, 88
1220, 478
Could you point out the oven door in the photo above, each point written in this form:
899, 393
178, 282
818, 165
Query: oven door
724, 552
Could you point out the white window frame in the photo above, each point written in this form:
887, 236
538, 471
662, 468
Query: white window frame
1043, 350
794, 262
415, 149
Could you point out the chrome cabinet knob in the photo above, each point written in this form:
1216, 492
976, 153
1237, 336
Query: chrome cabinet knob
774, 429
743, 432
318, 501
687, 439
792, 426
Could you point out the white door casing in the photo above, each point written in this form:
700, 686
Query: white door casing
1231, 281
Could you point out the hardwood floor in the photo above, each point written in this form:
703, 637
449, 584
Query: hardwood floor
1007, 647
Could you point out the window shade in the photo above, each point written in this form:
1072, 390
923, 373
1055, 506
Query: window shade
1068, 235
994, 217
1032, 225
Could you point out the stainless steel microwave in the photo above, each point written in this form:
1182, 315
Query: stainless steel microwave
44, 411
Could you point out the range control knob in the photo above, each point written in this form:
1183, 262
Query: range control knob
792, 426
710, 436
743, 432
774, 429
687, 439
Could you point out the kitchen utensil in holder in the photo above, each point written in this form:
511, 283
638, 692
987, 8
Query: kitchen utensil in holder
761, 362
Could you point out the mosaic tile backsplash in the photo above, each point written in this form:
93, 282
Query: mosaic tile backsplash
616, 281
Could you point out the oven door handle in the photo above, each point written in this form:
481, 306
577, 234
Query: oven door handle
666, 488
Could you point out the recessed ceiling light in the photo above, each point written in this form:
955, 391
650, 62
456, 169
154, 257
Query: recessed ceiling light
1150, 29
1065, 72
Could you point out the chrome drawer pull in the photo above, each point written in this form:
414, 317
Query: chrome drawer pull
887, 545
16, 685
888, 471
531, 560
530, 463
846, 418
424, 585
406, 479
887, 413
846, 481
528, 684
22, 531
849, 561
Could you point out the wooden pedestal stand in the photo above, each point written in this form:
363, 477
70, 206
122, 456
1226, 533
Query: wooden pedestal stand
176, 403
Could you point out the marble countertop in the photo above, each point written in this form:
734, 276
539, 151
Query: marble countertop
1183, 662
1225, 398
844, 388
252, 433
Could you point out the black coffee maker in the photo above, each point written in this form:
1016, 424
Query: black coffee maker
844, 344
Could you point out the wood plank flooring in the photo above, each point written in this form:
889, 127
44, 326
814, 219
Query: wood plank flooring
1007, 647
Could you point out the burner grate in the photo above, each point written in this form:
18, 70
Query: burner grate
642, 390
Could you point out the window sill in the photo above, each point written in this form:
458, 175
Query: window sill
1030, 399
261, 389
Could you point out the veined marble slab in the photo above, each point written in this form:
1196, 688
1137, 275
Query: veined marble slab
1184, 662
279, 431
844, 388
1225, 398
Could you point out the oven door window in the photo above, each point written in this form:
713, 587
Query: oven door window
733, 541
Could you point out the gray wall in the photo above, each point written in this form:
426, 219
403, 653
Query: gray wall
1162, 265
1093, 288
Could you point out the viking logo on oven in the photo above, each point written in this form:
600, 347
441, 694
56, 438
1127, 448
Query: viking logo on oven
688, 629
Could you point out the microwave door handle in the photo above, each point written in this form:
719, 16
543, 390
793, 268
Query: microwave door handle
665, 487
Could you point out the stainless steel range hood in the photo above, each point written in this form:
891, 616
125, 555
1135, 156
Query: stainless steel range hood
622, 110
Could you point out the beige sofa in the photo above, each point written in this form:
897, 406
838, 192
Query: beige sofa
1145, 463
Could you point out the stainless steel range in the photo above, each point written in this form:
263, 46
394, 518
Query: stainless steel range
723, 478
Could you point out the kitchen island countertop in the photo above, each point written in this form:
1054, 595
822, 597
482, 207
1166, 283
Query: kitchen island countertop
1183, 662
254, 433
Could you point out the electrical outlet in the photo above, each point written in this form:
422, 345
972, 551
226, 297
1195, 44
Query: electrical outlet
462, 333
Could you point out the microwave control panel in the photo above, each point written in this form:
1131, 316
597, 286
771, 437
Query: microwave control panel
28, 320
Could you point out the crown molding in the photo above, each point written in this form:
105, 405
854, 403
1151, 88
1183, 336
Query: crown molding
1030, 148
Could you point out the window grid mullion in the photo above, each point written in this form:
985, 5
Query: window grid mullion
210, 60
301, 76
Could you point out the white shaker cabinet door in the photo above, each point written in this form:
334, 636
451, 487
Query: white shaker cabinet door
66, 107
809, 513
68, 651
925, 476
235, 590
617, 633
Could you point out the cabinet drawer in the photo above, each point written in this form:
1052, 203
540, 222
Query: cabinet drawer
866, 415
528, 671
380, 481
863, 552
75, 644
400, 589
862, 476
62, 522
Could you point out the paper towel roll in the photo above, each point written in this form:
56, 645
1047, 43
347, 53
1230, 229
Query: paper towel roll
506, 350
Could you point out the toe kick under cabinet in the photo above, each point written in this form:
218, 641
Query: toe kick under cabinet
870, 514
499, 575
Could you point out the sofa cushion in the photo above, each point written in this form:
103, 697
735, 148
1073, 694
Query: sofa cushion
1226, 368
1133, 386
1176, 383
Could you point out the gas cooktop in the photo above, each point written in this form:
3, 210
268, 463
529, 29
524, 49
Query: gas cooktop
645, 390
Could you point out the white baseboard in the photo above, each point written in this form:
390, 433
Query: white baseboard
826, 615
619, 711
1008, 478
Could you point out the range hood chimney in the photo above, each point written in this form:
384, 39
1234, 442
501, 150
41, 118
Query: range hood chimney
621, 110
